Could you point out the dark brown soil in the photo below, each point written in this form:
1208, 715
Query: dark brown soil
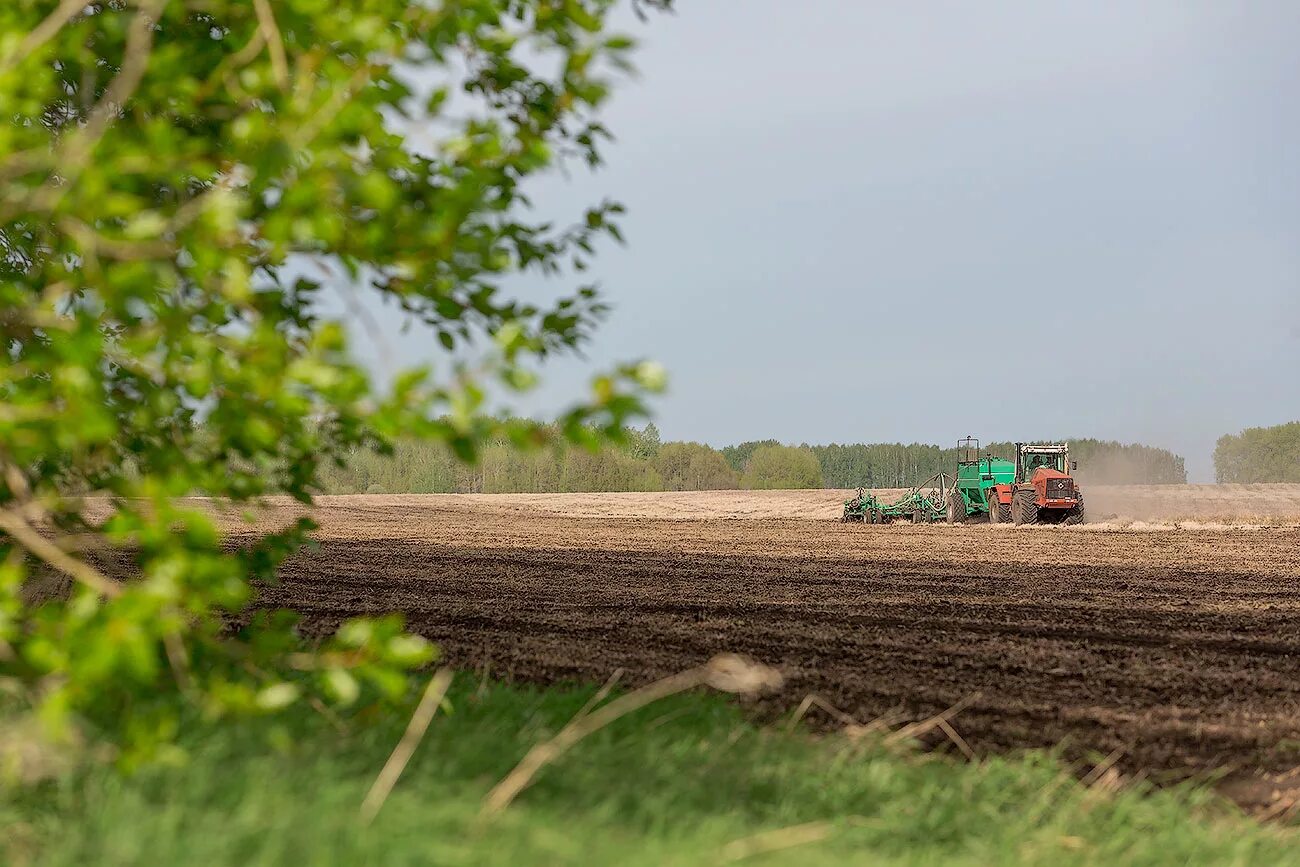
1179, 650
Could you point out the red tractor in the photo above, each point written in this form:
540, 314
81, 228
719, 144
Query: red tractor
1043, 491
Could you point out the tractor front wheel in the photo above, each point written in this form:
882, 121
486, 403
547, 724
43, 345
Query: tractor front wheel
1024, 507
1075, 515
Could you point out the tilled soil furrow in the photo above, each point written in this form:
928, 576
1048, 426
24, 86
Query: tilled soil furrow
1180, 649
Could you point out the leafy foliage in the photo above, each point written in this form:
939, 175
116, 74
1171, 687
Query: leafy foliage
782, 467
1259, 454
644, 444
694, 467
421, 467
183, 179
738, 455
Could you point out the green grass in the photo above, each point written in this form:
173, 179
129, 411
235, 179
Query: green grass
673, 784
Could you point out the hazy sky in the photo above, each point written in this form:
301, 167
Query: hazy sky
859, 221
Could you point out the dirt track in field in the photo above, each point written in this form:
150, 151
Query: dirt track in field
1177, 649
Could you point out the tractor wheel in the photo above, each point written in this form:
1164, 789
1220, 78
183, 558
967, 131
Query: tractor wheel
1024, 507
998, 512
1075, 515
956, 508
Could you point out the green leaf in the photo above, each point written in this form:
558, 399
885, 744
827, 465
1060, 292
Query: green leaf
277, 696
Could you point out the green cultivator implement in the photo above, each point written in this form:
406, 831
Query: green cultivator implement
924, 504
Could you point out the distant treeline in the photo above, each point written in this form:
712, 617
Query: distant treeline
646, 463
1259, 454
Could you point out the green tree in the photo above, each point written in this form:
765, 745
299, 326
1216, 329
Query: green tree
694, 467
180, 176
644, 444
1259, 454
738, 455
782, 467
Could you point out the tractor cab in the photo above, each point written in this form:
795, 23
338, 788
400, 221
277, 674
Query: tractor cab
1052, 457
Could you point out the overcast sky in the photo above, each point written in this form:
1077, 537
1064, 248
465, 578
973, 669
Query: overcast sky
859, 221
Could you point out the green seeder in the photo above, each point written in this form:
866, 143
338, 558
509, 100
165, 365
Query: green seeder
924, 504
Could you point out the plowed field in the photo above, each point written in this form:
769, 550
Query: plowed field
1177, 650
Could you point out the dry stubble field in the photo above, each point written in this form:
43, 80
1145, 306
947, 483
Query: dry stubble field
1166, 636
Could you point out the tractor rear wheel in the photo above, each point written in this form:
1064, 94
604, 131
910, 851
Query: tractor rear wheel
1024, 507
956, 508
999, 512
995, 508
